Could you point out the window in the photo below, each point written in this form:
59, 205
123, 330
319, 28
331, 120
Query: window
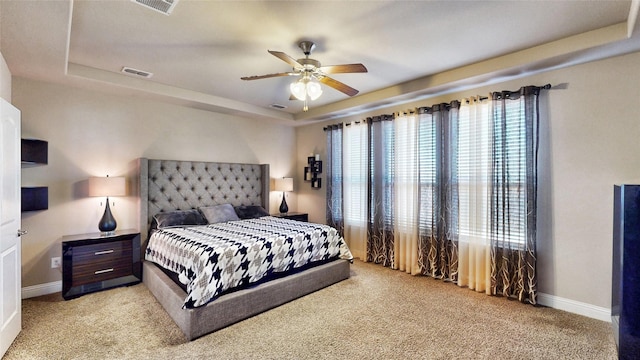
405, 177
427, 171
486, 156
355, 173
510, 171
477, 150
473, 172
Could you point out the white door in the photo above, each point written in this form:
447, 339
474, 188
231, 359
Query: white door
10, 259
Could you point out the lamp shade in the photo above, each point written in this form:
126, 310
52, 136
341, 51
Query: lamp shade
107, 186
284, 184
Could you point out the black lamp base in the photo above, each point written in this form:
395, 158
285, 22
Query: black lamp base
283, 206
107, 224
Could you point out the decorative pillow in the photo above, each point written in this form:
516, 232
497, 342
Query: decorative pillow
179, 218
219, 213
250, 212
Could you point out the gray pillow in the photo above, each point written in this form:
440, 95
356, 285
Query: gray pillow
250, 212
219, 213
180, 218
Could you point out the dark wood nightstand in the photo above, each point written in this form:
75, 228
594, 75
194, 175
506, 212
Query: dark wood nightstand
293, 216
93, 262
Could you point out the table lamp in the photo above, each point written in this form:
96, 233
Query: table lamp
107, 186
284, 185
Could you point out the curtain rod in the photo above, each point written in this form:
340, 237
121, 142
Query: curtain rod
372, 119
454, 103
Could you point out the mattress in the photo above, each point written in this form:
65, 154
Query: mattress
212, 259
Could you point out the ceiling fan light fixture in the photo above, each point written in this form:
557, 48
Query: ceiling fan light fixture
314, 90
299, 90
305, 87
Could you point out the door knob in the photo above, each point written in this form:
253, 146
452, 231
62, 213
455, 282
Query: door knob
21, 232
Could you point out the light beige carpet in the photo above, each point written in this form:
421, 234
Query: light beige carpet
376, 314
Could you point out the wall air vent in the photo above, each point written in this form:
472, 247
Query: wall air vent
163, 6
140, 73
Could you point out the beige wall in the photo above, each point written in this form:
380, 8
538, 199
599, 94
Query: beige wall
5, 76
93, 134
5, 80
589, 142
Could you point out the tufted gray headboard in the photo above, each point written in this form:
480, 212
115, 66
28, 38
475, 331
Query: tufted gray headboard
168, 185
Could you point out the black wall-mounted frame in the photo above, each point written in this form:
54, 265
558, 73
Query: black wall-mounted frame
311, 172
34, 152
317, 167
35, 198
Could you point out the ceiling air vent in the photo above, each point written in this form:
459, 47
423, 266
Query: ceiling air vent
163, 6
140, 73
278, 106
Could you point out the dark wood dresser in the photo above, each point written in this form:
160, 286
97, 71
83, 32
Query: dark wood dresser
94, 262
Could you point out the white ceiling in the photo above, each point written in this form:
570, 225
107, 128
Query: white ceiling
199, 52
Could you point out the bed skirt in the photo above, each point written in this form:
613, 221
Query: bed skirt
238, 305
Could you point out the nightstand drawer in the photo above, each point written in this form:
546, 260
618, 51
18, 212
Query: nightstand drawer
105, 252
101, 271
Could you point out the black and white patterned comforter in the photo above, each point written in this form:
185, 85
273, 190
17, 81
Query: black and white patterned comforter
211, 259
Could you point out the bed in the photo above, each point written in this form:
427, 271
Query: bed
167, 186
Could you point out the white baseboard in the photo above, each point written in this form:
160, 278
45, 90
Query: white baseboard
576, 307
41, 289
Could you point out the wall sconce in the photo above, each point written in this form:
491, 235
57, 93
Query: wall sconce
284, 185
107, 186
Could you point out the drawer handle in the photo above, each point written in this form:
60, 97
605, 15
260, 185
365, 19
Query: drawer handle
103, 271
103, 252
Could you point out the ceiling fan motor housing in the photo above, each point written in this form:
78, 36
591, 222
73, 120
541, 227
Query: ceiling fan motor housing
307, 47
309, 64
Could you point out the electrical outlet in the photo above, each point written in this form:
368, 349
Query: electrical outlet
55, 262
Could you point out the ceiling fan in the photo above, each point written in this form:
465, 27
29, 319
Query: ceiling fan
311, 73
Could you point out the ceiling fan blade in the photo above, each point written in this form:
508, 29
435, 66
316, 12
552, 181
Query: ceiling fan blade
256, 77
346, 68
338, 85
286, 58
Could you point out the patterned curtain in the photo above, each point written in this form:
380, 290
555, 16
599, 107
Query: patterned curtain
438, 192
406, 189
513, 193
380, 199
334, 178
448, 191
